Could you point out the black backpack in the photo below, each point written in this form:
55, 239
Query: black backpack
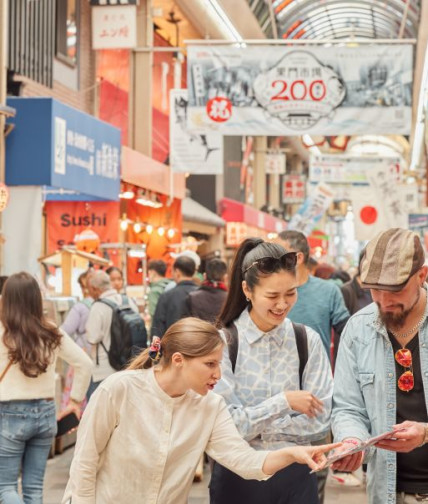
127, 332
301, 342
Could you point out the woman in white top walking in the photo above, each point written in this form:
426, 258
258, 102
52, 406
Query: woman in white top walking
29, 348
145, 428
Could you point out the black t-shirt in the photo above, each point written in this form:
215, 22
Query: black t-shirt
412, 467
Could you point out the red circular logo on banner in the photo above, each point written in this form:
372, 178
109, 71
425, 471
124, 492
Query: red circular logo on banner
368, 215
219, 109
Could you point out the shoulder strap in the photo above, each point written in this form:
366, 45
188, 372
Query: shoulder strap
5, 370
107, 302
302, 348
232, 339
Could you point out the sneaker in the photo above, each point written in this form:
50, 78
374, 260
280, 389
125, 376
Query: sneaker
347, 479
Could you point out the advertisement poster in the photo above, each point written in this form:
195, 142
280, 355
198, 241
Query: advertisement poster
314, 207
340, 169
200, 154
277, 90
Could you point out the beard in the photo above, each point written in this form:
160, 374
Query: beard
397, 320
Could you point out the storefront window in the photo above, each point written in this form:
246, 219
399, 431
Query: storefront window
67, 30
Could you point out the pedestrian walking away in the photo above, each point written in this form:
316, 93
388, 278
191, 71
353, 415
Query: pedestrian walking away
29, 348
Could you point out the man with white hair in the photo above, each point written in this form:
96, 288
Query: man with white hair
99, 324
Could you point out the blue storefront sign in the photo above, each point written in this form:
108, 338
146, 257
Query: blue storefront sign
55, 145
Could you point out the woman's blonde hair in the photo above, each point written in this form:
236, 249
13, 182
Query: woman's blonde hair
190, 336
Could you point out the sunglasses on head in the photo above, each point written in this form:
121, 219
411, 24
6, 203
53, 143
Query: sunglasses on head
271, 264
406, 382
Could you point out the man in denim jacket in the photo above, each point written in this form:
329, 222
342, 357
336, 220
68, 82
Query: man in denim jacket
381, 378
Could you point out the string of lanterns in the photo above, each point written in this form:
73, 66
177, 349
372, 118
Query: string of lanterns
139, 227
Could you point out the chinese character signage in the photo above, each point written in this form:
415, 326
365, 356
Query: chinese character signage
293, 188
198, 153
114, 27
342, 169
275, 163
61, 147
255, 90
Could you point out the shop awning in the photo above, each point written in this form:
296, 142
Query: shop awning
143, 171
235, 211
198, 218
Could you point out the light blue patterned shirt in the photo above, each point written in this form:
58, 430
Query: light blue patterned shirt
267, 365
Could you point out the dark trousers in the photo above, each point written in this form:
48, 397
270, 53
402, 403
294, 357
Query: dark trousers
292, 485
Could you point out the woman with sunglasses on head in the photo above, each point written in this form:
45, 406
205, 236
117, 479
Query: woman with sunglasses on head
145, 428
277, 382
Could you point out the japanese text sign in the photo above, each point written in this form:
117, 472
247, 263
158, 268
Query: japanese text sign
253, 90
56, 145
114, 27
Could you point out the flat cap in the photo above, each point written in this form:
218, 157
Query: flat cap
390, 259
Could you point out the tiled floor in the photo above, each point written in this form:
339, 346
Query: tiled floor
57, 474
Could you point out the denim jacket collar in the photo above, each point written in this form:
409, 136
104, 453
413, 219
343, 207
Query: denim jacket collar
380, 328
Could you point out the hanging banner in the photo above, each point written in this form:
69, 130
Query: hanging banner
200, 154
72, 222
340, 169
114, 27
275, 163
388, 195
293, 188
289, 91
314, 207
368, 211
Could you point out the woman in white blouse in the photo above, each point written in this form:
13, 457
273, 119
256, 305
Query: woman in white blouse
276, 380
145, 428
29, 348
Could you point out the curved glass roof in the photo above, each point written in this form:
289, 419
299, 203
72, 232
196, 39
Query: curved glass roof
338, 19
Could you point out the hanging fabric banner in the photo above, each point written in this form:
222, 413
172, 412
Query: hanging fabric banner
342, 169
200, 154
277, 90
313, 208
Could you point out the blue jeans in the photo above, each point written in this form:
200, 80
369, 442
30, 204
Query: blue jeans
27, 429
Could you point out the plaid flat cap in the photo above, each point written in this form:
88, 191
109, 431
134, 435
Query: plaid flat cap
390, 259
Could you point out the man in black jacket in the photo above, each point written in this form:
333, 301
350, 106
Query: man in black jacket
172, 305
206, 301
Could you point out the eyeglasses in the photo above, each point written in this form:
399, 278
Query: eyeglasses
406, 382
271, 264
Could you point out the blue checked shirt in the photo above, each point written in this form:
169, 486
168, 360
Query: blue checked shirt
267, 365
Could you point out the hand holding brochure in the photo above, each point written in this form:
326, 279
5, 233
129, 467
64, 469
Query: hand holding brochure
362, 446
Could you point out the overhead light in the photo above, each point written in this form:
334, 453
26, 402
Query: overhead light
170, 233
307, 140
146, 199
126, 195
149, 229
124, 223
161, 231
225, 23
138, 227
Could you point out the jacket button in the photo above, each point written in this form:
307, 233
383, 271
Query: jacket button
390, 405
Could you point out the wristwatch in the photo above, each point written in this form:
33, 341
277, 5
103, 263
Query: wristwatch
425, 440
